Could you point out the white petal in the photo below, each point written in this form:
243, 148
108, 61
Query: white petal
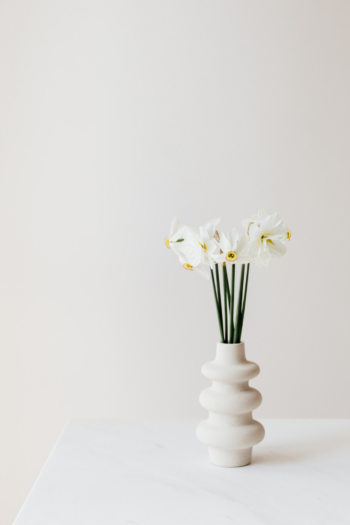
278, 249
175, 225
224, 243
210, 261
276, 238
217, 244
235, 239
232, 237
262, 214
219, 258
253, 248
245, 224
176, 250
179, 234
242, 244
204, 234
243, 259
195, 259
211, 247
263, 259
210, 227
264, 247
271, 223
254, 231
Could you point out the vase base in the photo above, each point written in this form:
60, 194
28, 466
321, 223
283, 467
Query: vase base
230, 458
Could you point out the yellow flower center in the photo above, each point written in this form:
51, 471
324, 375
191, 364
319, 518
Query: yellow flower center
289, 234
265, 236
167, 243
231, 256
188, 267
204, 246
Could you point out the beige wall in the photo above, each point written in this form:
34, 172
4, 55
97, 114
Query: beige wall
117, 115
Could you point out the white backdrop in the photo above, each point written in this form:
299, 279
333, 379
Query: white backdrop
117, 115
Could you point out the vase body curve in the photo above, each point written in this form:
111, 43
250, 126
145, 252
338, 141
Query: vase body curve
230, 432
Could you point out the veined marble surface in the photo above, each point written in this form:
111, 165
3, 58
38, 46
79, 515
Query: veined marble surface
112, 472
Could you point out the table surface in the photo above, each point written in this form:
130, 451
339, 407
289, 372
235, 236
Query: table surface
104, 472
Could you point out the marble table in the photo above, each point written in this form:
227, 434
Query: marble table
156, 473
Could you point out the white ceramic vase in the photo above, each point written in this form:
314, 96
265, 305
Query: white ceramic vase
230, 430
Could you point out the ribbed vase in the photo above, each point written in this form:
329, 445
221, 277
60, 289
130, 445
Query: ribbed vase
230, 431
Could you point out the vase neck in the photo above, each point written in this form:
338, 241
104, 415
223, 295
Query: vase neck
230, 353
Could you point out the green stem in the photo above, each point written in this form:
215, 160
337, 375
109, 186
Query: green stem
227, 287
236, 337
244, 300
217, 306
218, 289
232, 302
225, 302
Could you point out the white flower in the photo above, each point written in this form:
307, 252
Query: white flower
176, 234
246, 223
200, 269
267, 235
232, 248
199, 247
210, 227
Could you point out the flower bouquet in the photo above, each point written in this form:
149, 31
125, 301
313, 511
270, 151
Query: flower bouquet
230, 430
